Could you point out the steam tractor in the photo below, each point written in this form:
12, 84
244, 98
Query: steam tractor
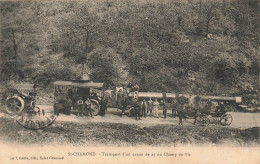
81, 87
21, 98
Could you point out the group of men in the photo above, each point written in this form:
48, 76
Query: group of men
67, 105
179, 107
84, 106
148, 108
132, 88
198, 108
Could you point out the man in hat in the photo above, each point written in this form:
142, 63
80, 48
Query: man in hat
174, 107
130, 87
137, 109
164, 109
220, 109
156, 108
143, 108
80, 105
120, 97
68, 105
103, 107
94, 95
182, 106
136, 90
150, 107
197, 107
57, 107
208, 107
124, 105
88, 107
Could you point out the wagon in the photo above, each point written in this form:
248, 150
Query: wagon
220, 117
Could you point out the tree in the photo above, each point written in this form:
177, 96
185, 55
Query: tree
16, 33
107, 66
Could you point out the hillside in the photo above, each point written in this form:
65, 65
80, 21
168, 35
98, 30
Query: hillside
162, 45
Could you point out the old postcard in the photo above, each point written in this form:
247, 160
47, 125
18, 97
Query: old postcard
129, 81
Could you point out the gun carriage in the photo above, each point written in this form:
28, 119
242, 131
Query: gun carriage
204, 118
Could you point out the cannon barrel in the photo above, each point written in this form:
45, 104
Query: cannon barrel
173, 95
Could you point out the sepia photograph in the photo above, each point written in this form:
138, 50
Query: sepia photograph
129, 81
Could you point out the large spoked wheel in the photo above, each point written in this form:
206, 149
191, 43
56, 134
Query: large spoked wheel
204, 121
94, 107
226, 119
15, 104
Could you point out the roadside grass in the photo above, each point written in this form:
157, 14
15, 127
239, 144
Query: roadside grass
116, 134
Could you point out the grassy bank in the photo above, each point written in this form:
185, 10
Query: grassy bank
115, 134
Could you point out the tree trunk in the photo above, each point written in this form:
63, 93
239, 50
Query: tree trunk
85, 58
200, 6
207, 27
14, 45
132, 54
209, 16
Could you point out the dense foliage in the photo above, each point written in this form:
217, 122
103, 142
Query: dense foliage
183, 46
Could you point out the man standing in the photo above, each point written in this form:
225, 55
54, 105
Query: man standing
144, 108
130, 87
197, 108
156, 108
164, 109
94, 95
174, 107
68, 105
124, 105
208, 107
88, 107
136, 90
181, 113
57, 107
150, 107
103, 107
137, 109
120, 97
80, 105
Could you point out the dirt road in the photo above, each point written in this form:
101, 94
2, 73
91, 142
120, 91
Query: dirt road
240, 120
114, 130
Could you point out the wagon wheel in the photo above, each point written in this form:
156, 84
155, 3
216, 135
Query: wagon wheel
204, 120
15, 104
94, 107
226, 119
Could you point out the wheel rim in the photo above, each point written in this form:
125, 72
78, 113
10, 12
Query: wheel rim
94, 107
204, 121
226, 119
14, 105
